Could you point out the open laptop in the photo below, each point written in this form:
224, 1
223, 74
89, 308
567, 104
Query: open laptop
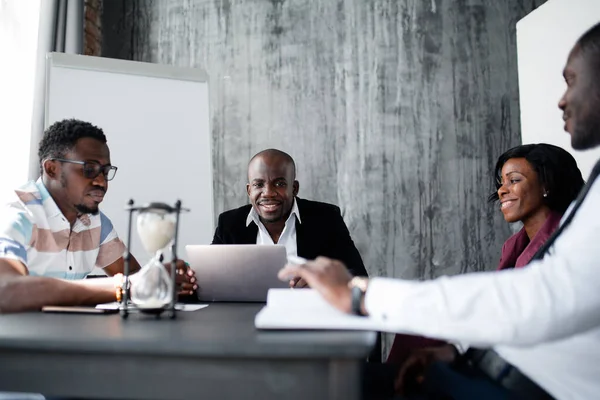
240, 273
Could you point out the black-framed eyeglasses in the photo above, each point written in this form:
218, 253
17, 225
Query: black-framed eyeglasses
92, 169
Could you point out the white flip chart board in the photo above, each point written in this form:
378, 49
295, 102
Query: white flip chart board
157, 122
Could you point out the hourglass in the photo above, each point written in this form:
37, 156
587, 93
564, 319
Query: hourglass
153, 290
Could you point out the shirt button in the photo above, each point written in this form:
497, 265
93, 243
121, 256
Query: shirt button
70, 268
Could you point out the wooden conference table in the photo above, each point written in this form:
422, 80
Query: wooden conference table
211, 353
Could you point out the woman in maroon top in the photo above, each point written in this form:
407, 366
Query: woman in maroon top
535, 184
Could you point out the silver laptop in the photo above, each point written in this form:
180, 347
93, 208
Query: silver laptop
241, 273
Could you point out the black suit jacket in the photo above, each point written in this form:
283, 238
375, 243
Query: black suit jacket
321, 233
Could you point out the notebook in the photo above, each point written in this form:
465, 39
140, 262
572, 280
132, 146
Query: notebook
306, 309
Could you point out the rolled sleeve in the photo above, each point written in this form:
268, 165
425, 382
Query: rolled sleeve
16, 229
13, 250
111, 247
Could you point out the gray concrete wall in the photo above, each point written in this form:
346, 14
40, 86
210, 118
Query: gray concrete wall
395, 110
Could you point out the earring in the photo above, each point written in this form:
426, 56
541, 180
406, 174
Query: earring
545, 194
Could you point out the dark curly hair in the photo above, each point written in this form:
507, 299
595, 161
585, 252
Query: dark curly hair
61, 137
556, 169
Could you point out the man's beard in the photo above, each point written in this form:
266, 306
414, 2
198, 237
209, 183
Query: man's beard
276, 218
270, 220
587, 134
82, 208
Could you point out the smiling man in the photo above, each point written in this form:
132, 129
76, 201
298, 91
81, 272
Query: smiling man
277, 216
540, 325
53, 234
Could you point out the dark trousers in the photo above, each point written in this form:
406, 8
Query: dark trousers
442, 382
462, 382
378, 381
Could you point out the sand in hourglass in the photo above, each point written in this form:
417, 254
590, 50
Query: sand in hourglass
155, 233
153, 287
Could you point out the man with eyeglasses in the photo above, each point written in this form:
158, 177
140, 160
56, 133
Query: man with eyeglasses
53, 234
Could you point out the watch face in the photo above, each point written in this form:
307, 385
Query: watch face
360, 282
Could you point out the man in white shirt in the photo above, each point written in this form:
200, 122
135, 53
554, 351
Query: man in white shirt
544, 320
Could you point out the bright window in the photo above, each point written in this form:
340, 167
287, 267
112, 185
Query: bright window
19, 22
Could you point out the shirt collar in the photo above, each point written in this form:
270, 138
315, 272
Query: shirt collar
48, 202
253, 215
51, 207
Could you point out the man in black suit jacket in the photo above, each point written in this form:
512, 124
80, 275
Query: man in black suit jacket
277, 216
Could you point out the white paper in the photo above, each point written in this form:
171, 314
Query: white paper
189, 307
178, 306
306, 309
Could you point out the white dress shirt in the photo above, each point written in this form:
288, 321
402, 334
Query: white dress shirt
543, 319
288, 235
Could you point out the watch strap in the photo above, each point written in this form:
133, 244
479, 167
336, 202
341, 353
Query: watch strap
357, 297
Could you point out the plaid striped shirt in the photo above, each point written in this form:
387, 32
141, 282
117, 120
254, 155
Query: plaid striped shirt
34, 231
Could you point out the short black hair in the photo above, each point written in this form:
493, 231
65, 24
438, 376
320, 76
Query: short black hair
589, 46
277, 153
556, 169
61, 137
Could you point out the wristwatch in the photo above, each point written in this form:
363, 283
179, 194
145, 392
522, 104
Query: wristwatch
119, 282
358, 286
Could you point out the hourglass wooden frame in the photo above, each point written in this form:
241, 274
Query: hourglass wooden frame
170, 308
